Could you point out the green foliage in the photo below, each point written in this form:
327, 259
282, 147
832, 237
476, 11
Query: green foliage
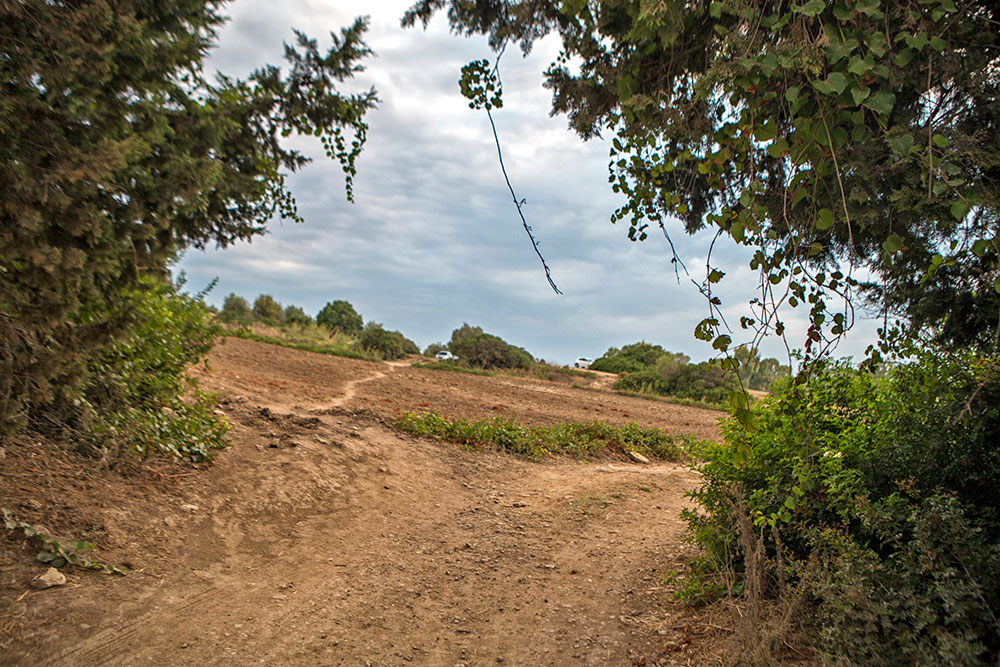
570, 438
463, 331
55, 554
485, 350
433, 349
454, 367
341, 316
639, 356
882, 491
116, 154
137, 397
235, 310
296, 316
267, 310
757, 373
825, 136
706, 382
337, 345
387, 344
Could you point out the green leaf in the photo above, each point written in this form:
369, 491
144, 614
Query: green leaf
859, 66
904, 57
811, 8
722, 342
715, 10
893, 244
980, 247
715, 276
792, 94
940, 140
791, 502
824, 219
838, 50
996, 284
959, 209
834, 84
901, 145
860, 94
881, 102
778, 148
766, 131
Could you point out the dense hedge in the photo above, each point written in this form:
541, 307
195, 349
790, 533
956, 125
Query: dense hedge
882, 494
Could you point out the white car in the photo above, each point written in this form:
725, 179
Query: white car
445, 355
583, 362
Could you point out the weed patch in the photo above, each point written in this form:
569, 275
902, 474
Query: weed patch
580, 440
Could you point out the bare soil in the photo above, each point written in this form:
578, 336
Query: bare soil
323, 536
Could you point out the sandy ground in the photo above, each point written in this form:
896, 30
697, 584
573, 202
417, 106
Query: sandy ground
326, 537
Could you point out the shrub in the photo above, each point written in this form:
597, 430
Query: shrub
267, 310
388, 344
341, 316
639, 356
297, 316
235, 310
138, 397
882, 492
704, 382
488, 351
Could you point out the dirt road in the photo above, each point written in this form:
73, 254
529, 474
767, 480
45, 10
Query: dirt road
324, 537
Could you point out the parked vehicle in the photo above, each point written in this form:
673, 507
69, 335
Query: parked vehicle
445, 355
583, 362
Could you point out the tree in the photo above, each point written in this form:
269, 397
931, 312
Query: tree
463, 331
340, 316
267, 310
830, 137
389, 344
631, 358
295, 315
487, 351
235, 309
117, 153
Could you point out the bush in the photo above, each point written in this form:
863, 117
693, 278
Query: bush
341, 316
631, 359
138, 397
882, 492
388, 344
705, 382
267, 310
235, 310
488, 351
296, 316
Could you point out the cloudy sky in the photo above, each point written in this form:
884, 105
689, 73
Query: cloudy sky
434, 240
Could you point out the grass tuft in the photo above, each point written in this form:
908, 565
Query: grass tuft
580, 440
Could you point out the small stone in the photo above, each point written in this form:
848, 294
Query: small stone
188, 507
638, 458
31, 504
170, 521
51, 577
519, 504
218, 413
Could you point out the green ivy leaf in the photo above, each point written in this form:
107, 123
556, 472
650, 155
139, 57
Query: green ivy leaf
860, 94
835, 84
980, 247
940, 140
881, 102
893, 244
959, 209
811, 8
901, 145
824, 220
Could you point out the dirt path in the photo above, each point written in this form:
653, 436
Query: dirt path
325, 537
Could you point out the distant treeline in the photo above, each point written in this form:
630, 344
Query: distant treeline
651, 369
